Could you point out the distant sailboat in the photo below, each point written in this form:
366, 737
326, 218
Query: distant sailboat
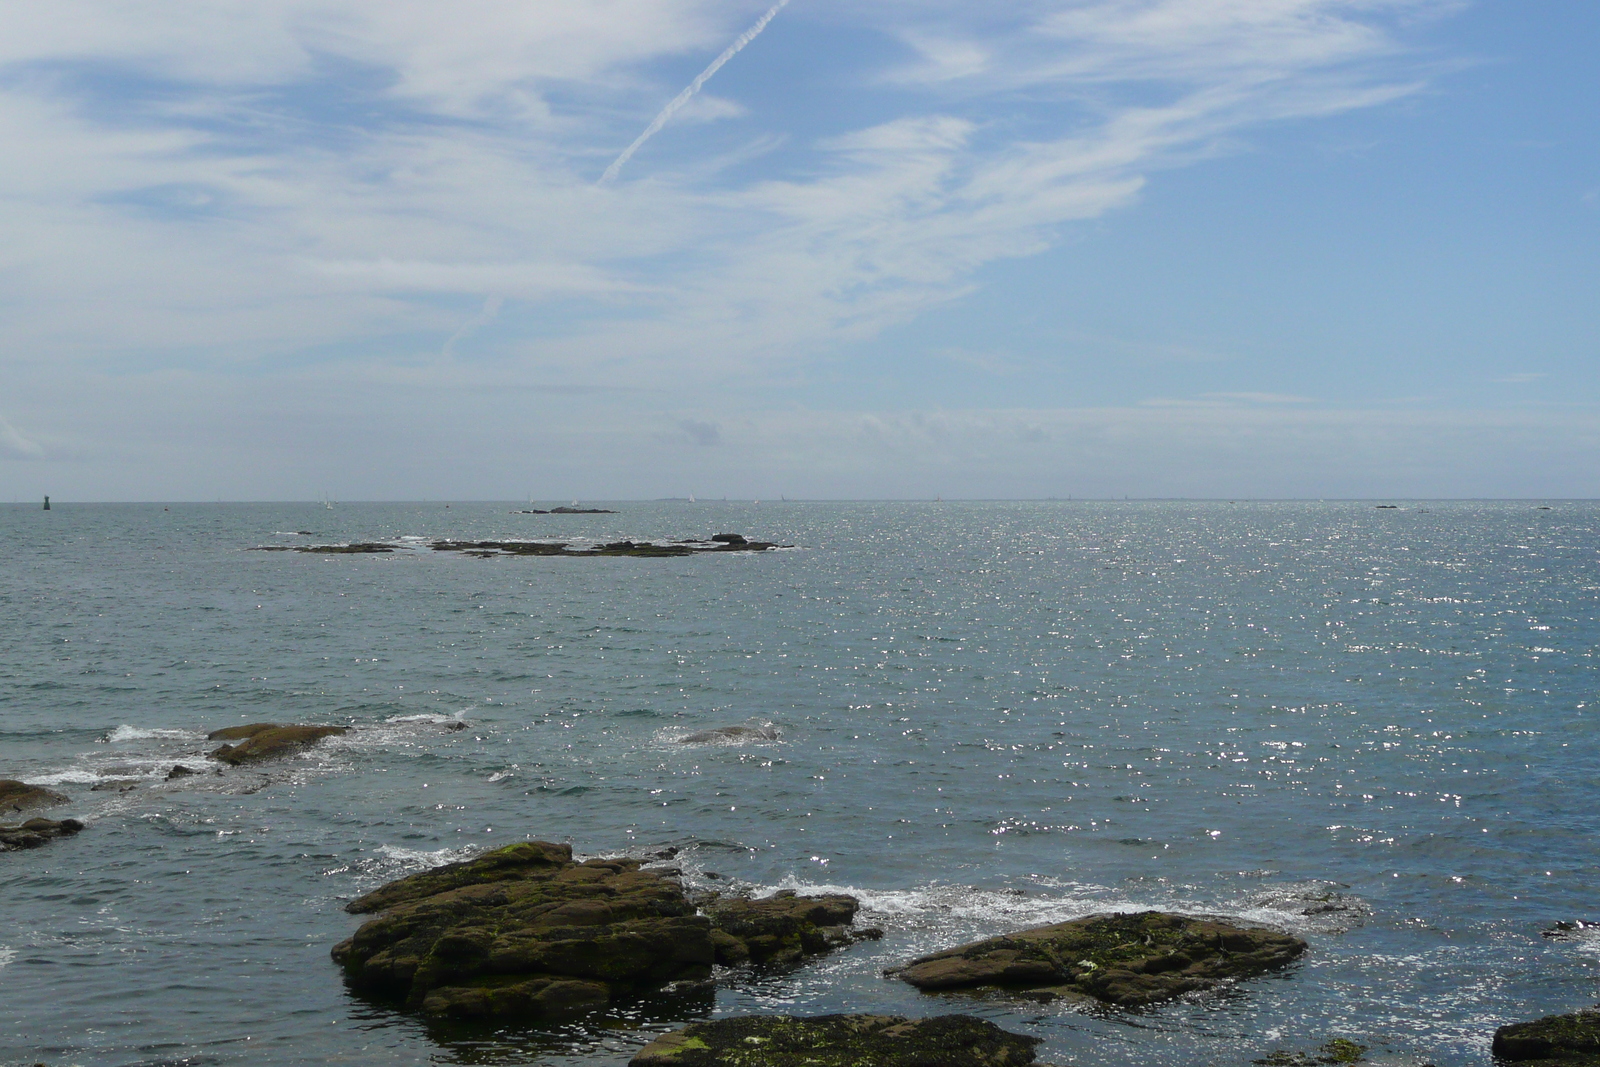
691, 498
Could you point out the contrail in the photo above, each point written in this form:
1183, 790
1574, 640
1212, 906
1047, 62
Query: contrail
694, 87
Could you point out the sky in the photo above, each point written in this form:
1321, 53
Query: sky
500, 249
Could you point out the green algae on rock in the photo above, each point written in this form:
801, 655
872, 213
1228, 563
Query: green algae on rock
20, 796
1123, 959
267, 740
1334, 1052
36, 832
839, 1041
783, 928
1572, 1039
527, 932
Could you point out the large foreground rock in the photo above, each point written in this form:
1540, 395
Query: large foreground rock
1123, 959
839, 1041
20, 796
1556, 1039
267, 740
525, 932
783, 928
36, 832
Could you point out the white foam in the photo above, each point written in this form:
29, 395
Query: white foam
140, 733
7, 955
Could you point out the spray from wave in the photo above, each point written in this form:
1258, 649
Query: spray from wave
684, 97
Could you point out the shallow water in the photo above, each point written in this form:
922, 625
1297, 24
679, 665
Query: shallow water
987, 716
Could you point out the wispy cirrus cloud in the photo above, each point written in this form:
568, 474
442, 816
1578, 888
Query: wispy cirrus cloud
226, 188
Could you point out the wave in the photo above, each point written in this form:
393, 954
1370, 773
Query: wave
141, 733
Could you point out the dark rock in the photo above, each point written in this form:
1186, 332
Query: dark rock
1555, 1039
581, 511
267, 740
121, 785
179, 771
1339, 1050
726, 735
523, 931
36, 832
647, 549
783, 928
352, 549
1578, 930
839, 1041
1122, 959
20, 796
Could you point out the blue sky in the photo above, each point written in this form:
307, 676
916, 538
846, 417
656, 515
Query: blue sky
1293, 248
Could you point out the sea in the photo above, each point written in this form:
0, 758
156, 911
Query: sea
1370, 726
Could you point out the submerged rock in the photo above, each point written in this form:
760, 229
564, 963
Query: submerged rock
1577, 930
36, 832
731, 735
839, 1041
267, 740
784, 928
1122, 959
1555, 1039
20, 796
527, 932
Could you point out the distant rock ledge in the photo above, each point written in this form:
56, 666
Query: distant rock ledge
724, 542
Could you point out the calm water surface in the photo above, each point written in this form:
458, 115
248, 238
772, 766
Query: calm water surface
992, 716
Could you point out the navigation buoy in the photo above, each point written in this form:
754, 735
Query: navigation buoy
47, 503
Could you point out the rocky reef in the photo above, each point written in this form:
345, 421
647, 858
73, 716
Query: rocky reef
1128, 960
267, 740
1570, 1040
839, 1041
36, 832
527, 932
20, 796
488, 549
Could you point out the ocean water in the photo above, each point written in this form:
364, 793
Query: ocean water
1371, 727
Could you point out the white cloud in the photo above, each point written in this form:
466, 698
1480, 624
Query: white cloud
15, 446
216, 185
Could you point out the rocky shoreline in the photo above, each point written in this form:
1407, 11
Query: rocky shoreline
527, 934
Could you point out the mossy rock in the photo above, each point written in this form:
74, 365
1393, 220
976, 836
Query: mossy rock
20, 796
1555, 1039
839, 1041
1124, 959
524, 932
36, 832
267, 740
783, 928
1338, 1050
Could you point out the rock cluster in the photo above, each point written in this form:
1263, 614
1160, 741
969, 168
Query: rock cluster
1124, 959
20, 796
783, 928
266, 740
36, 832
839, 1041
1569, 1040
524, 931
